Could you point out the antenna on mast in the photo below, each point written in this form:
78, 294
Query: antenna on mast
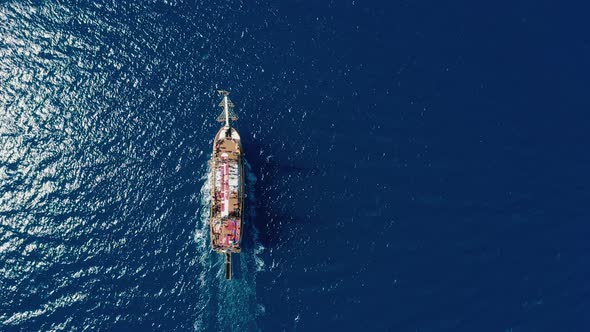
228, 113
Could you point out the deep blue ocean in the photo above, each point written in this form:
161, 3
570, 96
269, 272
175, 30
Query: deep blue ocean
411, 165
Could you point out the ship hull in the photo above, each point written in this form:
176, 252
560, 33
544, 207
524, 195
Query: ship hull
227, 192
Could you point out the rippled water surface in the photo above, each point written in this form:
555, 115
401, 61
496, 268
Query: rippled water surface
412, 166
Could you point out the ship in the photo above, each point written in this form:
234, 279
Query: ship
227, 187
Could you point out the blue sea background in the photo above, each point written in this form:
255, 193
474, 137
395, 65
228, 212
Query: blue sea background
412, 165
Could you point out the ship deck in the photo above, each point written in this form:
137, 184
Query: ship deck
229, 146
227, 193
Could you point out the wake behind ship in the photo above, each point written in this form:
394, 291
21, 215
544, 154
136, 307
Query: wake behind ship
227, 187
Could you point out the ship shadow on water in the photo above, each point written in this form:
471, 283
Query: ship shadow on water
236, 268
271, 216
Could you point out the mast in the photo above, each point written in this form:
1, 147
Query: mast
228, 113
226, 110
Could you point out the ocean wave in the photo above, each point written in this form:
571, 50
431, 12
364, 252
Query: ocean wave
45, 310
